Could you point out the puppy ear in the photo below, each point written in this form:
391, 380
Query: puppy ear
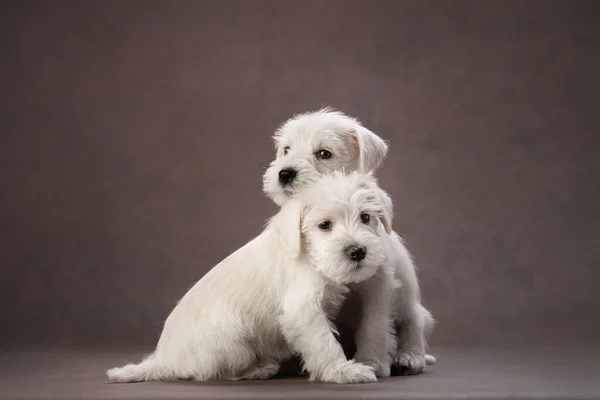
386, 211
371, 148
288, 225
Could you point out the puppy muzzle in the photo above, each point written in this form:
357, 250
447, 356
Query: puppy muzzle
356, 253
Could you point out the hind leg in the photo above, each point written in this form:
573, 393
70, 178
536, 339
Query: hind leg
224, 363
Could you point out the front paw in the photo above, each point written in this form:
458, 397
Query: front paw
409, 362
382, 369
349, 372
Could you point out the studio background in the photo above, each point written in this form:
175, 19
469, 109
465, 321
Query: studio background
134, 134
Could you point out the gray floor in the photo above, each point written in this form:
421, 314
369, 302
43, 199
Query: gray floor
534, 373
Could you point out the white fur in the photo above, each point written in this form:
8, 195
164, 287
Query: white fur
275, 296
354, 148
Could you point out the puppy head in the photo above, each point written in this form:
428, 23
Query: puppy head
337, 225
316, 143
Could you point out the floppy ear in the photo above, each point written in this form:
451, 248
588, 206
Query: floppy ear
288, 225
386, 212
371, 148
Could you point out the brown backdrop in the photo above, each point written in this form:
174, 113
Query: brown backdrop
134, 135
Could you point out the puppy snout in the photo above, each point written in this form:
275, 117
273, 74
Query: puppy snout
287, 175
356, 253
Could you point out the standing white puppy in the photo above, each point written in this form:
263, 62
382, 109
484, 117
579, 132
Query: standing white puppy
275, 296
316, 143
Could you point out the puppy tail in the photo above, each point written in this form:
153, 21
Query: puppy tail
144, 371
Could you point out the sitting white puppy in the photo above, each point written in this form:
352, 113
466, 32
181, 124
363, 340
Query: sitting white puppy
316, 143
274, 297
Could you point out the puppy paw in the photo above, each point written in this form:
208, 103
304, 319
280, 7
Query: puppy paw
349, 372
409, 362
382, 369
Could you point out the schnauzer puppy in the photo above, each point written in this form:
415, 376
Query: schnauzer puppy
276, 296
312, 144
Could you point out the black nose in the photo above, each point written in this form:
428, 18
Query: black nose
286, 176
356, 253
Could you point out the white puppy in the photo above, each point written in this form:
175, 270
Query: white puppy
274, 297
316, 143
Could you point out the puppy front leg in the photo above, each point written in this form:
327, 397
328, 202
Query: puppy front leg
309, 332
375, 339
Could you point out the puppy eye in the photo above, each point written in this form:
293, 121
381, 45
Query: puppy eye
324, 154
286, 149
325, 225
365, 218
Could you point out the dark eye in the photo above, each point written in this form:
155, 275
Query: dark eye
324, 154
286, 149
365, 218
325, 225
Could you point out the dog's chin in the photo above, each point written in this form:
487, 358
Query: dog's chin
361, 271
284, 193
279, 195
350, 271
280, 198
289, 190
